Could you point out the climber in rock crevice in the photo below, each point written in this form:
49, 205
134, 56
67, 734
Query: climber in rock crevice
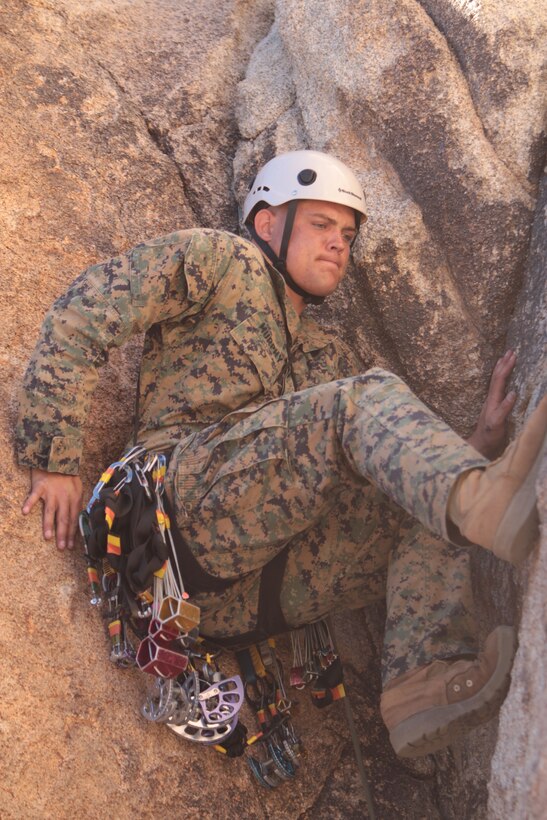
298, 485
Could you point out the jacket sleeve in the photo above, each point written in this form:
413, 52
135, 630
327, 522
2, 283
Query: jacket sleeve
105, 305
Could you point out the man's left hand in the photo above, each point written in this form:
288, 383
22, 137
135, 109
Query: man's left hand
490, 433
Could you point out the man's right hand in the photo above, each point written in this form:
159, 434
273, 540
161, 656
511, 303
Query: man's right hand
490, 433
61, 496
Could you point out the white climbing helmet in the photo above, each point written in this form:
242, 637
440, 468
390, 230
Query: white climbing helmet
305, 175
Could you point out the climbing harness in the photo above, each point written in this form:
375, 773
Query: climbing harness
136, 582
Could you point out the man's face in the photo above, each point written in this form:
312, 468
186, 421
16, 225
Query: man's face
319, 246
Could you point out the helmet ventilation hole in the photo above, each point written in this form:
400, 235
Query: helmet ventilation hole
307, 176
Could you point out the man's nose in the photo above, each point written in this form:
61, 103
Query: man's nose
336, 240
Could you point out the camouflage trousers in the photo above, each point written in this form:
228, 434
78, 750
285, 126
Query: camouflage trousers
337, 477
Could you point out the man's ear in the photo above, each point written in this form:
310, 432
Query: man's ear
264, 223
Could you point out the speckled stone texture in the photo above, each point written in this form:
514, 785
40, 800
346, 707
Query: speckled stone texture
124, 120
518, 786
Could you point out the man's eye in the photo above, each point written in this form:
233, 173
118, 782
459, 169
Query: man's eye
320, 224
349, 237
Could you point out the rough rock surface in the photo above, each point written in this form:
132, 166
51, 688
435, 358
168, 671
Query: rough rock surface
521, 791
449, 219
121, 120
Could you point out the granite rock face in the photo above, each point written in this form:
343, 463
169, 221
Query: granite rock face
441, 259
520, 790
125, 120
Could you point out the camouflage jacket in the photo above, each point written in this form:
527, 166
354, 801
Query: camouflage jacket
220, 335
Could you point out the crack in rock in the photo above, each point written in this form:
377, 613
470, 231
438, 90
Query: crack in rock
461, 5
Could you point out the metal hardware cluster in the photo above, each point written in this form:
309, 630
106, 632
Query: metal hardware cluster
276, 756
190, 694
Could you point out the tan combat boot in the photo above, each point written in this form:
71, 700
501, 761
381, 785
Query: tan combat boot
495, 507
426, 709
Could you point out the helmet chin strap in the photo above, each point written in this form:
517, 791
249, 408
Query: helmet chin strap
280, 262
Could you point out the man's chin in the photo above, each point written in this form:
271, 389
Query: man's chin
323, 283
327, 285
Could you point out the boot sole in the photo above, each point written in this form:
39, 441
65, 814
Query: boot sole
519, 527
436, 728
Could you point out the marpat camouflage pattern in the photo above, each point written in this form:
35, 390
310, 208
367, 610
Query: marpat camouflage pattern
277, 442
